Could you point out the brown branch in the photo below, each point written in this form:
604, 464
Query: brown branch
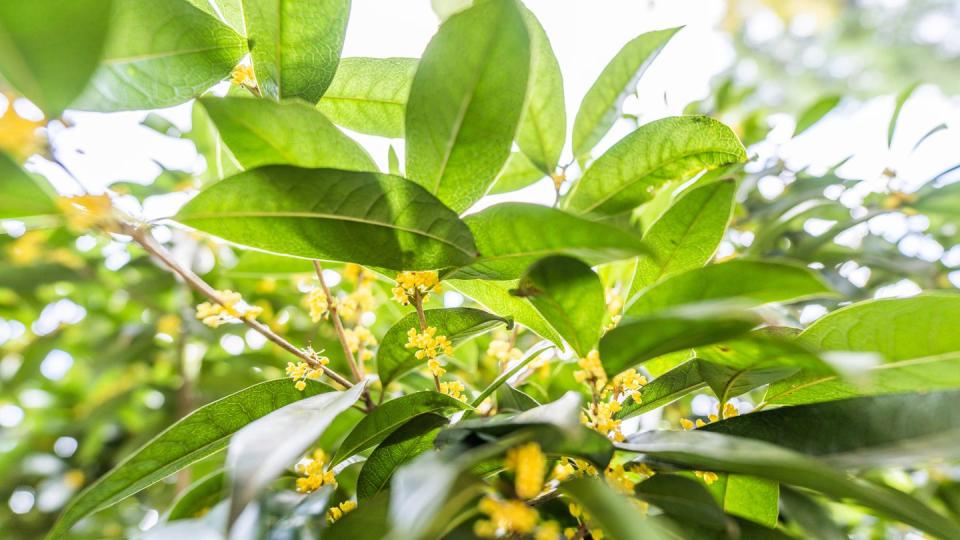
338, 324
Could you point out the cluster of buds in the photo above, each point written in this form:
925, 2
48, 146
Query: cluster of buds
312, 472
232, 308
411, 285
337, 512
301, 371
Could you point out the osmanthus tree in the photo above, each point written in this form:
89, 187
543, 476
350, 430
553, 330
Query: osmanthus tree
351, 395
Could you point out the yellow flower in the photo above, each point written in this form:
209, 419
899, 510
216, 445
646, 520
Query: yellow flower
313, 475
453, 389
617, 477
20, 137
548, 530
316, 301
356, 303
503, 351
410, 284
529, 466
301, 371
730, 410
686, 424
600, 417
243, 75
337, 512
429, 345
592, 372
169, 324
232, 309
84, 212
707, 477
510, 516
629, 383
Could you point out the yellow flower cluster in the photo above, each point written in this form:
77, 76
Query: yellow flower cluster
233, 308
356, 303
584, 518
316, 302
412, 284
628, 383
505, 518
360, 340
84, 212
301, 371
453, 389
243, 75
619, 478
707, 476
572, 467
614, 307
529, 466
337, 512
313, 474
591, 372
429, 345
599, 417
20, 137
503, 352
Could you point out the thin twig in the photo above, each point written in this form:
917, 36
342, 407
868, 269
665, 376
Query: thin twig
338, 325
142, 237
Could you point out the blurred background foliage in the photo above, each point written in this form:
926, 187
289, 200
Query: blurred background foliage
99, 349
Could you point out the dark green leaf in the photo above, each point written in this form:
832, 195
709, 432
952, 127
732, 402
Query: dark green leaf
22, 195
264, 448
369, 520
160, 54
569, 295
512, 236
51, 48
200, 434
366, 218
600, 107
458, 324
631, 171
295, 45
727, 382
614, 514
382, 421
369, 95
512, 399
665, 389
813, 519
260, 132
466, 100
683, 498
400, 447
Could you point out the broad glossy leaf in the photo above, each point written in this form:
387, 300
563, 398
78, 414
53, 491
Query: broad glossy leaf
513, 399
366, 218
687, 235
747, 281
665, 389
263, 449
669, 149
749, 497
369, 95
220, 161
512, 236
715, 452
458, 324
160, 54
495, 296
382, 421
261, 132
637, 340
367, 521
815, 112
518, 173
466, 100
728, 382
569, 295
22, 195
295, 45
615, 514
941, 372
229, 11
543, 124
198, 435
402, 445
600, 107
899, 429
49, 49
683, 498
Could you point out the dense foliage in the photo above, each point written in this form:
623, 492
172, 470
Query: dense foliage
315, 348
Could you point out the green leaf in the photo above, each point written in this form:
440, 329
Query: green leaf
367, 521
750, 282
264, 448
752, 498
728, 382
369, 95
495, 297
518, 173
815, 112
512, 236
203, 494
324, 214
637, 340
531, 354
466, 100
569, 295
813, 519
49, 49
220, 162
512, 399
198, 435
687, 235
899, 429
228, 11
382, 421
458, 324
715, 452
615, 514
901, 99
665, 389
600, 107
630, 172
22, 195
543, 124
682, 498
160, 54
400, 447
260, 132
295, 45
